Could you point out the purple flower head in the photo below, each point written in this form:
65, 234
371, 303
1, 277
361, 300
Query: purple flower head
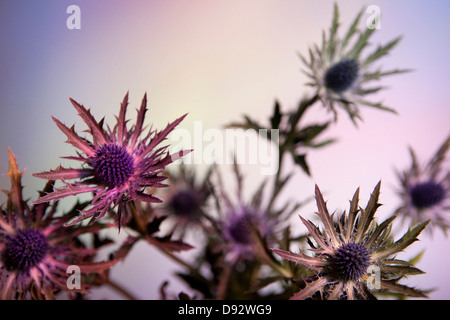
244, 225
113, 165
347, 247
185, 201
425, 190
25, 250
118, 165
240, 229
36, 251
342, 75
427, 194
349, 261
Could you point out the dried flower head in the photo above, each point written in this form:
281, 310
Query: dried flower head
36, 250
340, 72
425, 190
117, 165
344, 251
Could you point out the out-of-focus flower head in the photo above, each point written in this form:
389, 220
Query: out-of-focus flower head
242, 223
117, 165
425, 190
37, 251
185, 201
348, 248
341, 74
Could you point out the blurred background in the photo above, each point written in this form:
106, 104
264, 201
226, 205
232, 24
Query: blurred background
218, 60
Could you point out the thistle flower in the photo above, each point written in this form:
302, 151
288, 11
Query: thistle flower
340, 73
185, 202
117, 165
425, 190
239, 228
36, 250
242, 222
345, 249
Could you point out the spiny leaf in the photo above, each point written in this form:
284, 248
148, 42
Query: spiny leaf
15, 202
409, 237
354, 209
379, 229
307, 134
333, 30
401, 270
276, 117
325, 217
310, 289
61, 173
94, 267
300, 258
121, 121
414, 260
381, 51
376, 75
352, 30
137, 130
323, 143
300, 159
438, 159
74, 139
69, 190
316, 234
159, 137
361, 43
402, 289
368, 213
95, 128
376, 105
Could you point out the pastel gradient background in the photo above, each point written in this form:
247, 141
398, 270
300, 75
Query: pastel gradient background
218, 60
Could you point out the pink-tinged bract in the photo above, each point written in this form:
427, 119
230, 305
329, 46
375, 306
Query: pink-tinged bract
118, 165
37, 251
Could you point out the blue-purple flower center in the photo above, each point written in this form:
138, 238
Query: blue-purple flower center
341, 76
427, 194
113, 165
241, 229
349, 262
25, 250
184, 203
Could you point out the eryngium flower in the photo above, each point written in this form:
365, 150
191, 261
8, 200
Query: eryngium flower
239, 228
340, 73
36, 250
117, 165
425, 190
185, 201
244, 224
344, 251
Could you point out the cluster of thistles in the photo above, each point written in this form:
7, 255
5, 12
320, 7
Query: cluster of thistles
245, 248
